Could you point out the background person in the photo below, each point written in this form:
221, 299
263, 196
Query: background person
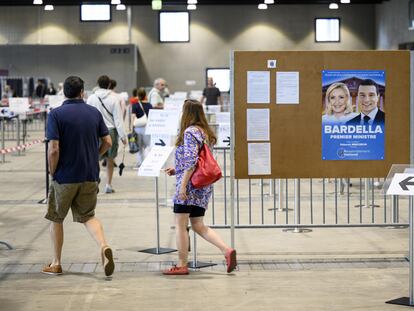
368, 98
338, 105
189, 202
74, 131
108, 105
144, 141
156, 95
211, 94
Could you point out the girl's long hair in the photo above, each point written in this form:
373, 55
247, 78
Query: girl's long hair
193, 115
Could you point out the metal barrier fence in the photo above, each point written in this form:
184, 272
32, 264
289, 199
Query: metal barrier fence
17, 130
298, 203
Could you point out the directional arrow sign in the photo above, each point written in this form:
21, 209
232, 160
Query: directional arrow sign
406, 182
227, 140
160, 143
401, 184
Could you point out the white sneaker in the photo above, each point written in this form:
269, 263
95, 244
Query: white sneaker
109, 189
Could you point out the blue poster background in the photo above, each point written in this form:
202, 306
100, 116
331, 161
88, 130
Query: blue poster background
342, 140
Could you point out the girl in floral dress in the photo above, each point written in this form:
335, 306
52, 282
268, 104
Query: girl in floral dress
191, 203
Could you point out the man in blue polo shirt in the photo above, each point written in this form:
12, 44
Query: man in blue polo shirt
77, 135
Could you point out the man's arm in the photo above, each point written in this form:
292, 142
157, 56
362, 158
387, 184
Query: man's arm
202, 99
53, 156
220, 99
106, 143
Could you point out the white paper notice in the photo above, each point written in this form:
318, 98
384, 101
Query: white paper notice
223, 117
154, 161
19, 104
287, 87
258, 87
259, 159
223, 135
258, 124
162, 122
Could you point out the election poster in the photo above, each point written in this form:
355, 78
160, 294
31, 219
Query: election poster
353, 114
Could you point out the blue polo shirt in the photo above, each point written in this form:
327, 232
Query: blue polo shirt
78, 127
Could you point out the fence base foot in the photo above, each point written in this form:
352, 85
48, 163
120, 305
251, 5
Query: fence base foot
42, 201
297, 230
397, 227
281, 210
403, 301
6, 244
199, 265
158, 251
366, 206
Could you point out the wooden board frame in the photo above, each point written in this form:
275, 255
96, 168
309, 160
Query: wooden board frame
295, 130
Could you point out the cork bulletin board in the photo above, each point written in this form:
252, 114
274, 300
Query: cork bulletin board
295, 130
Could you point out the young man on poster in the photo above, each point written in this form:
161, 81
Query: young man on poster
368, 97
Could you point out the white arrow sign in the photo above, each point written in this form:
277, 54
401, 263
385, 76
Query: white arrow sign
402, 184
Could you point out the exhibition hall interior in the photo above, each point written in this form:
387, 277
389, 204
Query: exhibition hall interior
213, 154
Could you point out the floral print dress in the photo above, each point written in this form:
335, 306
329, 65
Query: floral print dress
186, 157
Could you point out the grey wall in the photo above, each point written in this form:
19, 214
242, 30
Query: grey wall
392, 25
59, 61
215, 31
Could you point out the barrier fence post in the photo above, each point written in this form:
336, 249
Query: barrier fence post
296, 210
3, 156
409, 301
195, 264
44, 201
157, 250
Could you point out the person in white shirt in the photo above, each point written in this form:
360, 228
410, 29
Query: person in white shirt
108, 104
156, 95
112, 86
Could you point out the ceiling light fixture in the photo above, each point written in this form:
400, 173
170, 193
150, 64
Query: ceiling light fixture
191, 1
191, 7
49, 7
334, 6
345, 1
262, 6
115, 2
156, 5
37, 2
120, 7
269, 1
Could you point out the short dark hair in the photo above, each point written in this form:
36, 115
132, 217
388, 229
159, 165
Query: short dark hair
141, 93
73, 86
134, 92
112, 84
369, 82
104, 81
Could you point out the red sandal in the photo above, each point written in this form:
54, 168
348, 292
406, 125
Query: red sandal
176, 271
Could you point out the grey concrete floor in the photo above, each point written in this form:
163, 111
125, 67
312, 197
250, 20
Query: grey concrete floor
326, 269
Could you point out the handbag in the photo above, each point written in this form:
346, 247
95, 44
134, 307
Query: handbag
207, 170
141, 122
133, 142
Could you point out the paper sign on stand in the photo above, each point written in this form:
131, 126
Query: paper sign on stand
19, 104
162, 140
223, 134
173, 104
223, 117
162, 122
155, 160
213, 108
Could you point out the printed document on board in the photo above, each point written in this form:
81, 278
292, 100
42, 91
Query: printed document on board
287, 87
258, 124
259, 159
258, 87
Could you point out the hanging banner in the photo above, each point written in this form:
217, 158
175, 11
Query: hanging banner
353, 118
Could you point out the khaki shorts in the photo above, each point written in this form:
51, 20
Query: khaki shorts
113, 151
80, 197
